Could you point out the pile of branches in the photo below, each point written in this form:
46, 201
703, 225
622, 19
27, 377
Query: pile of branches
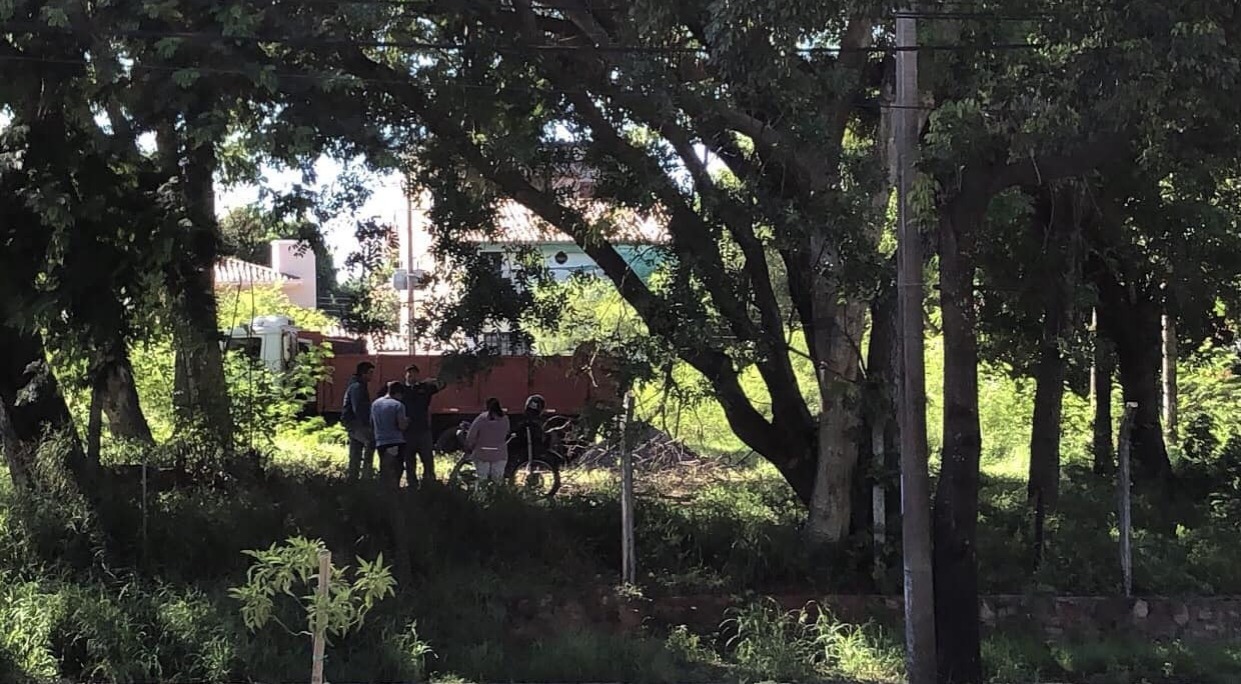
653, 450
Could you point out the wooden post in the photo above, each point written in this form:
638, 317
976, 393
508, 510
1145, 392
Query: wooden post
915, 482
144, 507
320, 626
1170, 354
1124, 499
628, 561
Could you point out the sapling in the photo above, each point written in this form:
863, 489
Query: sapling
335, 607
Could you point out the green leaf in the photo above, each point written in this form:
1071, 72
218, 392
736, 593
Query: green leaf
185, 77
54, 16
167, 47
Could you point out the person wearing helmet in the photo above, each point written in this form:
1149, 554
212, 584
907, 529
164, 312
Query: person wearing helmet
529, 440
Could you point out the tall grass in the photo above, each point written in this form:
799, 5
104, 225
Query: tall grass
808, 644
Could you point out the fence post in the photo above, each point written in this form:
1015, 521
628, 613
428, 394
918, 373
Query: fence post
144, 509
878, 503
628, 561
320, 626
1124, 499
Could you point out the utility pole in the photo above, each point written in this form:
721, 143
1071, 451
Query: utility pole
629, 562
1124, 491
408, 187
915, 483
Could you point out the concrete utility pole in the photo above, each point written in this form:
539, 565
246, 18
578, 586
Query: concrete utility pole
410, 315
915, 485
1124, 491
629, 559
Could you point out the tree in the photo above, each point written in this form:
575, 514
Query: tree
644, 92
1030, 315
246, 233
80, 226
1017, 120
373, 309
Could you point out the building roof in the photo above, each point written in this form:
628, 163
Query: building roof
518, 225
233, 270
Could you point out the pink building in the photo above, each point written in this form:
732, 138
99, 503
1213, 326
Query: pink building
292, 270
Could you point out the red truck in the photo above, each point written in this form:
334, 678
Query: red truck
568, 384
573, 386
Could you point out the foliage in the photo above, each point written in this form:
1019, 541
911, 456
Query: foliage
247, 231
768, 642
267, 403
240, 306
1210, 392
296, 566
86, 601
373, 307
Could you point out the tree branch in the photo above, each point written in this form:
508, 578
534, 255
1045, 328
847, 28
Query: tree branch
1039, 170
749, 424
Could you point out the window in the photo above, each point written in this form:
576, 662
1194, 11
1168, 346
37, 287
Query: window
505, 344
561, 258
250, 346
494, 262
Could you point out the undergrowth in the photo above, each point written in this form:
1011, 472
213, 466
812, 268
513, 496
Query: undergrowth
502, 590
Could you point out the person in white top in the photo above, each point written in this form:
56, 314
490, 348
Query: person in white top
487, 443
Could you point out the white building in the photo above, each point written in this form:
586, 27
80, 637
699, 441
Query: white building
423, 279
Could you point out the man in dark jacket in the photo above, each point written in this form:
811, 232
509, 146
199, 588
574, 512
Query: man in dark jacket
418, 439
355, 415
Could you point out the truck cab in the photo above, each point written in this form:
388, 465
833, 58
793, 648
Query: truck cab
272, 340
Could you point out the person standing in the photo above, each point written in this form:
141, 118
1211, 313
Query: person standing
388, 421
487, 443
355, 415
418, 439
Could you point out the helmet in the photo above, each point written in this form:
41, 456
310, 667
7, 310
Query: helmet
535, 403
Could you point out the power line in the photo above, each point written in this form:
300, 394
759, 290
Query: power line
347, 79
527, 48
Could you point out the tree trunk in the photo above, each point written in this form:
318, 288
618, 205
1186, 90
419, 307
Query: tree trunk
201, 392
1170, 357
1139, 377
94, 426
1102, 446
31, 406
1043, 489
121, 405
1059, 225
879, 452
958, 646
1131, 320
838, 331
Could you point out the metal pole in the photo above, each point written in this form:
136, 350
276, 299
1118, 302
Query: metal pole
1125, 502
628, 561
915, 486
320, 626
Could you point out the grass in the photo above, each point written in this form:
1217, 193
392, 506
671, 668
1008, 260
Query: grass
83, 598
1018, 660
